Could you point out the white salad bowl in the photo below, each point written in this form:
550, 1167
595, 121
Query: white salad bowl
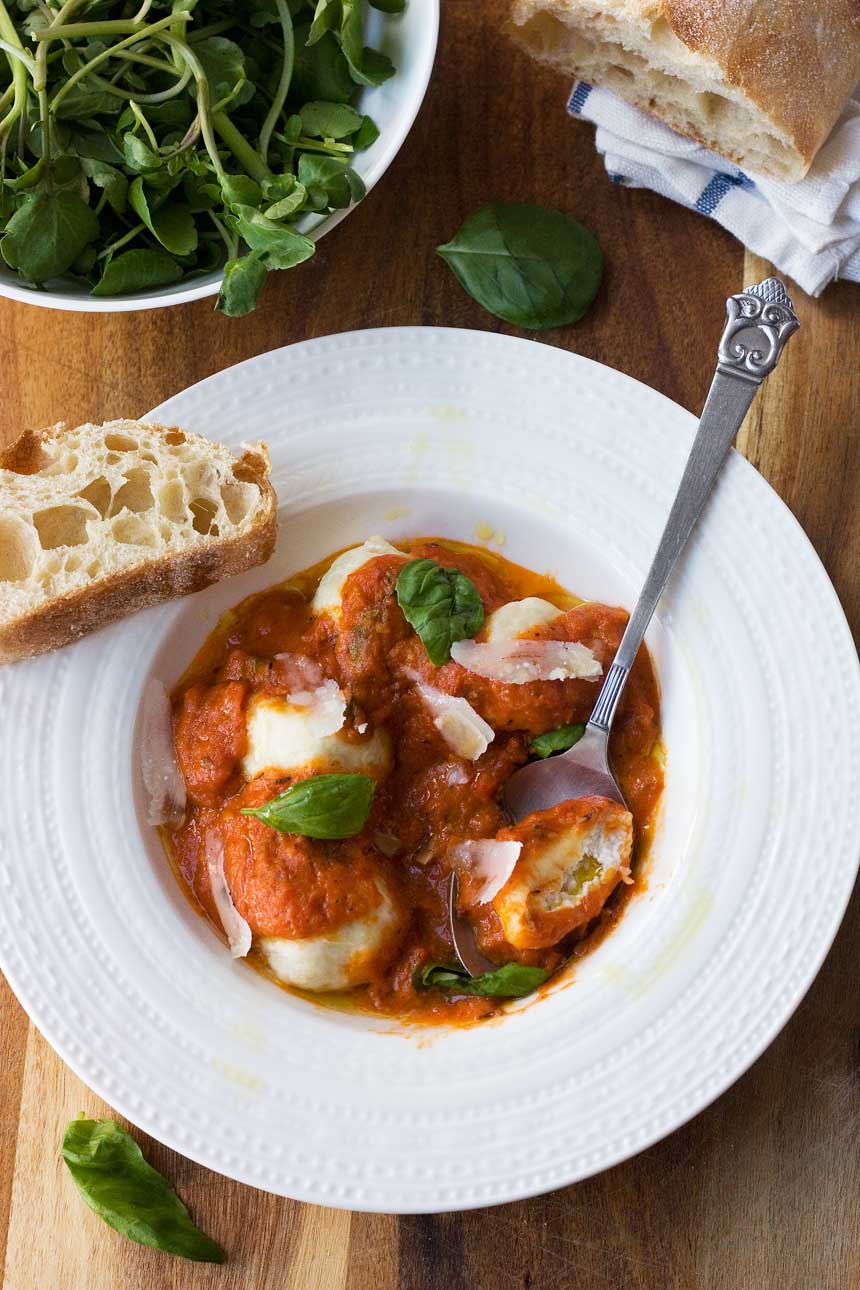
564, 466
409, 39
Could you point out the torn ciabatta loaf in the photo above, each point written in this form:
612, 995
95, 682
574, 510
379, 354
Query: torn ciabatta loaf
101, 521
761, 82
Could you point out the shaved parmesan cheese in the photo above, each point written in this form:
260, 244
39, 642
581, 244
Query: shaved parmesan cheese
327, 599
236, 929
465, 733
162, 777
519, 662
518, 617
326, 707
484, 866
297, 672
387, 843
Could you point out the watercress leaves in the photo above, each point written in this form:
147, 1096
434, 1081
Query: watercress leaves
513, 981
46, 235
138, 270
329, 182
326, 806
526, 264
282, 247
330, 120
557, 741
211, 146
170, 223
133, 1198
443, 606
243, 279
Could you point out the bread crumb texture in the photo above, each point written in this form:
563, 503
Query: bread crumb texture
759, 81
77, 506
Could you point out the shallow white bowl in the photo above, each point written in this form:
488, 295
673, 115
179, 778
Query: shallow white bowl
410, 40
411, 431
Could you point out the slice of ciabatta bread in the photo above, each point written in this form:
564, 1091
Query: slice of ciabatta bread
760, 81
101, 521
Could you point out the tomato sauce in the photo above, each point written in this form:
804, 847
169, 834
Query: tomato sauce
289, 886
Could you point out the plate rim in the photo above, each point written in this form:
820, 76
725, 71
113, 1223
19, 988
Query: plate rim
812, 963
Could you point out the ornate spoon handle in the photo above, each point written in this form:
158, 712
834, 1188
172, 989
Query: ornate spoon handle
760, 321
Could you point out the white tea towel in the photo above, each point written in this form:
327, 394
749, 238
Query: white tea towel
809, 230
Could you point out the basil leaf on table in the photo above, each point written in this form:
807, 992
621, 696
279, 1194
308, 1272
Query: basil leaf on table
330, 807
557, 741
133, 1198
443, 606
526, 264
513, 981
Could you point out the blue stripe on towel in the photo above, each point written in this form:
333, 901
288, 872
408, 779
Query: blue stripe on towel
716, 189
578, 98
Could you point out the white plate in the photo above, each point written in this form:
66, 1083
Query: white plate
410, 431
409, 39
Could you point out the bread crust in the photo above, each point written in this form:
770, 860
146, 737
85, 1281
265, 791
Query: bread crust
793, 61
67, 618
796, 60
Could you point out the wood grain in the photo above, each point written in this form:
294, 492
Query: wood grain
761, 1190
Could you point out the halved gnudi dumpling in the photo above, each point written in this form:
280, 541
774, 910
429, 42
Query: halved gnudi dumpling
573, 857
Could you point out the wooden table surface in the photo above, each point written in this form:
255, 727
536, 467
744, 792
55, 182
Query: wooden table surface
762, 1189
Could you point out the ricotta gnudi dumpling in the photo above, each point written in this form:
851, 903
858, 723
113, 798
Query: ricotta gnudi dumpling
287, 736
329, 593
340, 959
573, 856
517, 617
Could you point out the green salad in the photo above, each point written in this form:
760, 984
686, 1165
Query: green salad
154, 141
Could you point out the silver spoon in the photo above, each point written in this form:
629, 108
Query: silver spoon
760, 321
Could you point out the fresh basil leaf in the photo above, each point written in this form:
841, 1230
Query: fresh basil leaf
528, 265
513, 981
137, 270
240, 288
282, 247
443, 606
330, 120
111, 180
171, 224
133, 1198
47, 234
326, 806
557, 741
